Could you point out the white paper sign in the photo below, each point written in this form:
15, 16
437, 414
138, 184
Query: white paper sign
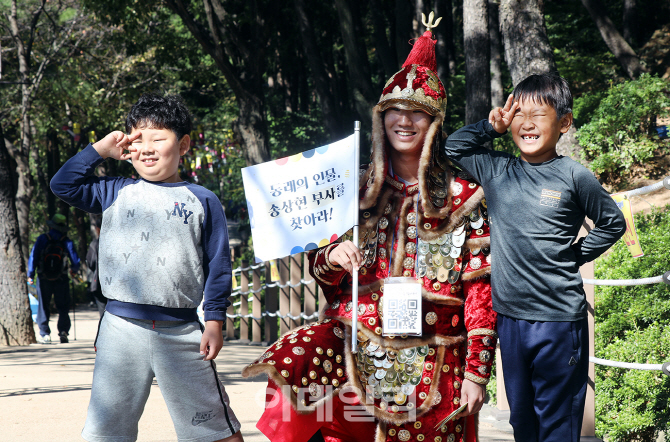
301, 202
402, 307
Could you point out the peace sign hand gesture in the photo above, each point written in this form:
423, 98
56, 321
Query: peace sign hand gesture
501, 117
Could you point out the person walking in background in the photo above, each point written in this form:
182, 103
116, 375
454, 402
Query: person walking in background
48, 259
94, 289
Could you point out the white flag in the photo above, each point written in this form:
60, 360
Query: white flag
301, 202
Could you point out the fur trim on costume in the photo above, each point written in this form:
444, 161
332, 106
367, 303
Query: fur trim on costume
477, 243
378, 161
476, 274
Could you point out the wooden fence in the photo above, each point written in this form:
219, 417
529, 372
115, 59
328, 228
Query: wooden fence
263, 309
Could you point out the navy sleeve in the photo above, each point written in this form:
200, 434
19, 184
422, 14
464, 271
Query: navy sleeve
33, 260
466, 148
599, 207
216, 265
76, 183
74, 258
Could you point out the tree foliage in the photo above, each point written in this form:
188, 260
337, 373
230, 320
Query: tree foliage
633, 325
619, 133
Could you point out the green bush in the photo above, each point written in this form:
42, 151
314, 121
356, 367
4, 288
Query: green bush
619, 133
632, 326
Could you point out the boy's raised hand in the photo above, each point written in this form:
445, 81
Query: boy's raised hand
117, 145
501, 117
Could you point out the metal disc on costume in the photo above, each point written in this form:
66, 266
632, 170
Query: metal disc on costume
421, 272
377, 393
430, 273
391, 375
424, 247
445, 249
415, 380
437, 180
457, 188
438, 259
441, 239
407, 388
383, 222
453, 276
399, 398
380, 352
411, 218
372, 380
372, 347
455, 252
442, 274
411, 232
377, 363
477, 224
458, 230
379, 374
434, 248
382, 238
440, 192
422, 351
429, 260
458, 240
437, 202
387, 363
449, 263
410, 247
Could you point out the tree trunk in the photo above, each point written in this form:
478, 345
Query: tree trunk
630, 23
444, 48
383, 49
25, 188
357, 62
417, 27
477, 64
497, 93
16, 325
240, 58
613, 39
251, 128
403, 29
52, 157
329, 109
527, 49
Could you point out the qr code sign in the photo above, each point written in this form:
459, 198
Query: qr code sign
401, 315
402, 309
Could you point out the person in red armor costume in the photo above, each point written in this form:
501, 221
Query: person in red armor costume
420, 217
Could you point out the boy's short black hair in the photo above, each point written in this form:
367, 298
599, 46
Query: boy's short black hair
551, 89
160, 112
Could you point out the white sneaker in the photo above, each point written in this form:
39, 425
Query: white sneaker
46, 339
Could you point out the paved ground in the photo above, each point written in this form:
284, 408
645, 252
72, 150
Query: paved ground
44, 391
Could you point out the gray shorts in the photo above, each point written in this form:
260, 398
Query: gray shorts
130, 353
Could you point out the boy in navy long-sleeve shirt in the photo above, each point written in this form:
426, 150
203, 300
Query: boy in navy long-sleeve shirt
163, 247
536, 205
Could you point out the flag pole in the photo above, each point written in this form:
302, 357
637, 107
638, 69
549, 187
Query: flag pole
354, 283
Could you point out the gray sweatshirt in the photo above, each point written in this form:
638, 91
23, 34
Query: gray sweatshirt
535, 212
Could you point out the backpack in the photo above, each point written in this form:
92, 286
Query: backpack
52, 261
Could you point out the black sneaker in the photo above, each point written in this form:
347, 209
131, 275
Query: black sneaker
63, 337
